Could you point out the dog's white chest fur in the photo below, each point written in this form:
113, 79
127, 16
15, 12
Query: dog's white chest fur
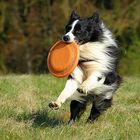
96, 52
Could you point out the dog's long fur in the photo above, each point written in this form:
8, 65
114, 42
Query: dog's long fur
95, 79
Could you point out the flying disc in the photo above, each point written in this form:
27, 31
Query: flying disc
63, 58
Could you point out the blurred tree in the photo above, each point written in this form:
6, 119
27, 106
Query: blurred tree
107, 4
28, 28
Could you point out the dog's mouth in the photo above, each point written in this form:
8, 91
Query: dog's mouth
79, 42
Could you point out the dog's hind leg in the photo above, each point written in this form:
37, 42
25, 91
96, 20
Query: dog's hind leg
98, 107
76, 109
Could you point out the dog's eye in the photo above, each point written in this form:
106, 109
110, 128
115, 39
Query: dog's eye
68, 27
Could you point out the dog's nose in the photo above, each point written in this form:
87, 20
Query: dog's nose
66, 38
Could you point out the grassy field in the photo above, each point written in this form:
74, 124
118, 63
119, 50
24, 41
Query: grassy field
25, 115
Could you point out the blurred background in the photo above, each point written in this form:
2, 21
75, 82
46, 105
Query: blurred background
28, 28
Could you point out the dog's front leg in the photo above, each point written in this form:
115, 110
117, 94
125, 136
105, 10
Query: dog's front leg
73, 82
91, 82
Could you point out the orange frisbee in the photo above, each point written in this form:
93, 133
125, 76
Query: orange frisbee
63, 58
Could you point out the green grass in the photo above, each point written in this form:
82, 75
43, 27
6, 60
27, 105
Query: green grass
25, 115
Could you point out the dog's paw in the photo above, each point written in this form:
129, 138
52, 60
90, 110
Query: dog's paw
71, 122
84, 88
55, 105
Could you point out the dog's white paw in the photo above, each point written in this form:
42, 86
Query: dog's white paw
55, 105
84, 88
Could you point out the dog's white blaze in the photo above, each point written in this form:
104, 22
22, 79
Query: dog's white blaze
70, 34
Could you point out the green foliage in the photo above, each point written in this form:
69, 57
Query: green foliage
25, 114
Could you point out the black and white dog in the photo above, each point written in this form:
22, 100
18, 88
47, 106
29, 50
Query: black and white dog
95, 79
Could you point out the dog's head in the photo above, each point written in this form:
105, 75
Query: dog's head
83, 30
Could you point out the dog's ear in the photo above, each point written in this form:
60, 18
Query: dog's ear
96, 17
74, 15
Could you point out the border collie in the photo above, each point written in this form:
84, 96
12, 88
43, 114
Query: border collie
95, 79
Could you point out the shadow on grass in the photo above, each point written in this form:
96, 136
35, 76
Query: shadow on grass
40, 119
